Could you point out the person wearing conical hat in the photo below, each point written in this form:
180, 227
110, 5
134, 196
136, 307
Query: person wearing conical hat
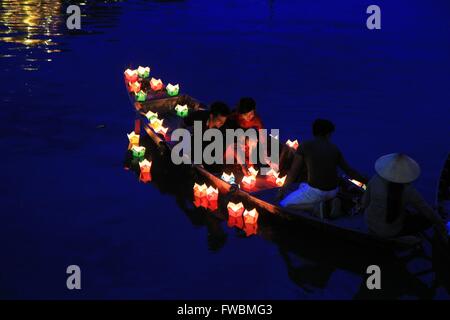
390, 192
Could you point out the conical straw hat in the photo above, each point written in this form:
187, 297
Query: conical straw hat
398, 168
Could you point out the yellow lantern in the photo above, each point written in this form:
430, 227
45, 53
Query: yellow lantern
133, 138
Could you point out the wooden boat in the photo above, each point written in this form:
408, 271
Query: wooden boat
351, 227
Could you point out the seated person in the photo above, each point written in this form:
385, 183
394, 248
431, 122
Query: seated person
389, 193
215, 117
245, 116
322, 159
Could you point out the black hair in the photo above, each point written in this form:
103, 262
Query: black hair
219, 109
322, 127
246, 104
394, 201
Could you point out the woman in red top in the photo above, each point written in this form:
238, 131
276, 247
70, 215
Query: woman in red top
245, 116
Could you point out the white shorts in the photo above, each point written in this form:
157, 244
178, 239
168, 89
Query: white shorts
305, 194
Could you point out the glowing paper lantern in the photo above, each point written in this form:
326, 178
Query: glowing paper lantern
156, 84
140, 96
172, 90
145, 175
134, 140
143, 72
235, 209
237, 222
131, 75
253, 172
138, 152
200, 197
292, 144
229, 178
182, 110
212, 194
248, 182
151, 115
250, 229
357, 183
162, 130
134, 86
250, 217
272, 176
280, 181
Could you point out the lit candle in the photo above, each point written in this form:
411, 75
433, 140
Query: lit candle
131, 75
248, 182
133, 138
151, 115
172, 90
182, 110
228, 178
200, 198
250, 217
280, 181
253, 172
145, 175
156, 84
138, 152
272, 176
143, 72
212, 195
134, 86
235, 209
140, 96
292, 144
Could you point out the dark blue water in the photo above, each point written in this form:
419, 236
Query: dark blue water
65, 198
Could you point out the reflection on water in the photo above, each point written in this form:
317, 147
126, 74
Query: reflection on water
30, 24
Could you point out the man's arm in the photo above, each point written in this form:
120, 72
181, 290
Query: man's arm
352, 173
292, 174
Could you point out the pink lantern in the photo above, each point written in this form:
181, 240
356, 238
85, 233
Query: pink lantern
250, 217
131, 75
272, 176
292, 144
200, 198
156, 84
212, 194
235, 209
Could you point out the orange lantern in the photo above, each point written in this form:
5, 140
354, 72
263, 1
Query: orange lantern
280, 181
235, 209
131, 75
200, 198
248, 182
156, 84
134, 86
292, 144
212, 194
237, 222
250, 229
145, 175
272, 176
250, 217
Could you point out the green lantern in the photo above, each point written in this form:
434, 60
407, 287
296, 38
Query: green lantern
141, 96
182, 110
138, 152
172, 90
143, 72
151, 115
